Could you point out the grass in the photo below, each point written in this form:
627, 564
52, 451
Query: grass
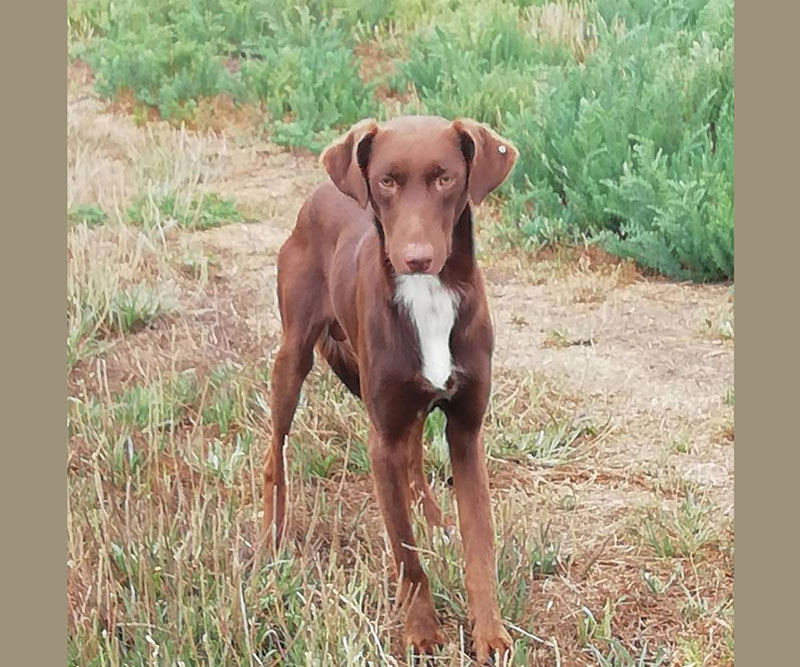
123, 276
684, 533
167, 564
211, 210
560, 338
112, 287
89, 214
728, 398
547, 446
172, 548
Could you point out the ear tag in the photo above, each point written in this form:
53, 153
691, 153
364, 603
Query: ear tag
501, 149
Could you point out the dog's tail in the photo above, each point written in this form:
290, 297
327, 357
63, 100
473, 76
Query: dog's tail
341, 358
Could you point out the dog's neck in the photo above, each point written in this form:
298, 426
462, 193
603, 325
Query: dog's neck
431, 303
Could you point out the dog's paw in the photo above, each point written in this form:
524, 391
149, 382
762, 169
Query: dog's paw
423, 631
490, 639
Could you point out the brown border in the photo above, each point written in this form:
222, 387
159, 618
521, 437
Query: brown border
766, 332
34, 365
34, 268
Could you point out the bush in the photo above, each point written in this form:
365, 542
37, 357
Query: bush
632, 148
170, 53
622, 110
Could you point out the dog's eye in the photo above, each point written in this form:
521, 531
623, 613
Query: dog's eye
444, 181
387, 182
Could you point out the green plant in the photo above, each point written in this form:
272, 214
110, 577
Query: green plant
683, 533
133, 308
623, 112
92, 215
631, 149
204, 212
548, 446
728, 399
169, 55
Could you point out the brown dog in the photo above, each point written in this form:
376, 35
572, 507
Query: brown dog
380, 274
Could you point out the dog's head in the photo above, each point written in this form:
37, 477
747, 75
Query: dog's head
419, 172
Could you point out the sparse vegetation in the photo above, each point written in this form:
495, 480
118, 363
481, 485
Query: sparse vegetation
611, 490
683, 532
210, 210
729, 396
89, 214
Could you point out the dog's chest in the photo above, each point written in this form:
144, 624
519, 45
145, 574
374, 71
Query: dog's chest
432, 309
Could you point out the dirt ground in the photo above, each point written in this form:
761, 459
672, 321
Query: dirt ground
651, 359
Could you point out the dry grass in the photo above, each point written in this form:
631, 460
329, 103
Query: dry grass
564, 23
610, 491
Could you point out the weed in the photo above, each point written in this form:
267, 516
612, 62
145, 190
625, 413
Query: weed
692, 652
89, 214
682, 444
165, 466
683, 533
134, 308
110, 287
618, 656
728, 398
601, 153
196, 264
437, 450
312, 460
209, 210
358, 460
549, 446
171, 55
557, 338
560, 338
623, 114
721, 328
659, 587
596, 634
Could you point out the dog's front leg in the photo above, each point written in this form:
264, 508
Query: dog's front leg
390, 471
477, 532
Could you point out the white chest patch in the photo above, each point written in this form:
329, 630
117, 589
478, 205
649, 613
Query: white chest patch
432, 308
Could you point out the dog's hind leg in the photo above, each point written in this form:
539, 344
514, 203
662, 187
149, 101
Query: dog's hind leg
341, 359
420, 489
301, 299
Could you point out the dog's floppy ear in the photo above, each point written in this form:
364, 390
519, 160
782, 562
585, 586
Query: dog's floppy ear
490, 157
346, 160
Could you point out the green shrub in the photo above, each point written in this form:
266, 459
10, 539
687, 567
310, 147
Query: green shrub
286, 73
624, 119
632, 148
169, 54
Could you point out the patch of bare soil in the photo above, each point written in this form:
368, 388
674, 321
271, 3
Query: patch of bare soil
640, 355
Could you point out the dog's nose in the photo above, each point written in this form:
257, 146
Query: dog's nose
418, 256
